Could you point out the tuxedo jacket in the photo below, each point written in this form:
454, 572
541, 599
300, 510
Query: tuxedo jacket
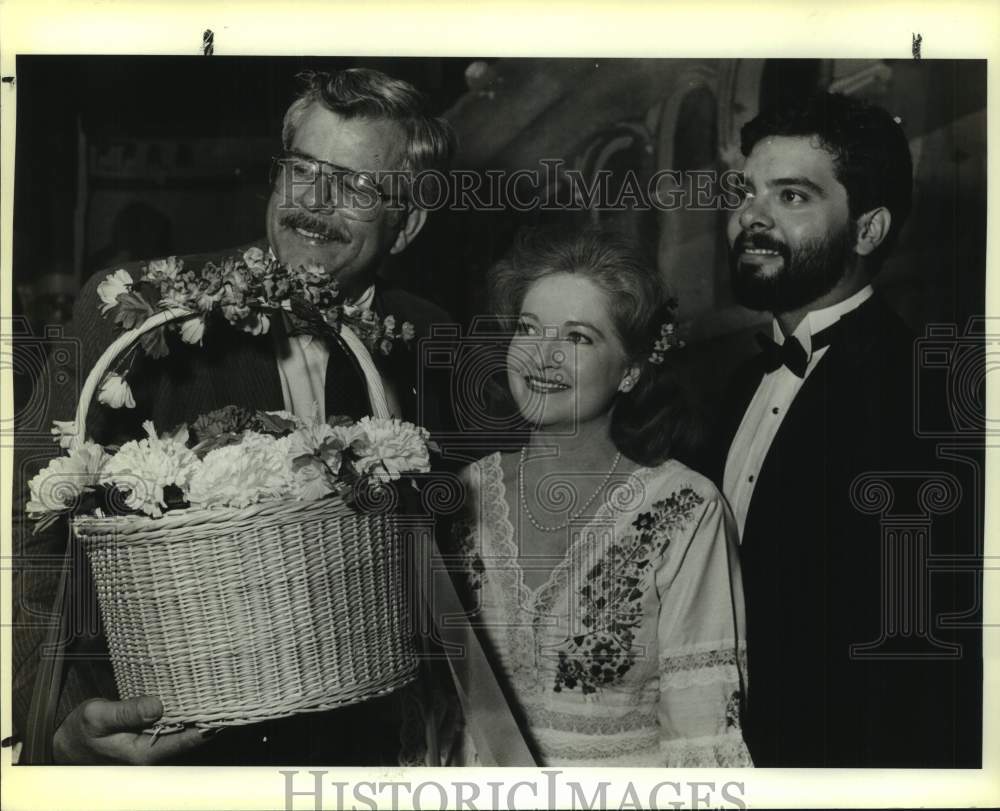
231, 368
815, 563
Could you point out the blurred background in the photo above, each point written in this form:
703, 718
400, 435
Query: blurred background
122, 158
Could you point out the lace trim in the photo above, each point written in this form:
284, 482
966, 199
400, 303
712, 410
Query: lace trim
725, 674
717, 666
520, 654
634, 721
728, 751
725, 751
599, 749
495, 505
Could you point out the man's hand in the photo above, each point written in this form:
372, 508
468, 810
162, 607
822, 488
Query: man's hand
100, 731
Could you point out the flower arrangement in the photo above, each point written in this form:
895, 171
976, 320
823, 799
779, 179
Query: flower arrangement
247, 292
229, 458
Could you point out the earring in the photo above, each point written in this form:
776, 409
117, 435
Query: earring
626, 384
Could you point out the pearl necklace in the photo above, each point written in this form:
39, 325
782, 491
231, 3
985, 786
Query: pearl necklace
524, 501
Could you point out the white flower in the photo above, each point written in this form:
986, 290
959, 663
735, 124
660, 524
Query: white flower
112, 287
160, 269
237, 475
316, 453
176, 296
115, 392
254, 258
64, 433
349, 434
142, 469
390, 324
409, 332
319, 440
315, 456
393, 448
63, 481
193, 330
312, 479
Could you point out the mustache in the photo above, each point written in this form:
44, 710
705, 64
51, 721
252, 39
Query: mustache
759, 241
307, 222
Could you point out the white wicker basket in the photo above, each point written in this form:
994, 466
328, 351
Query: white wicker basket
233, 616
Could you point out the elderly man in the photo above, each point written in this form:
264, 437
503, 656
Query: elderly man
334, 203
827, 187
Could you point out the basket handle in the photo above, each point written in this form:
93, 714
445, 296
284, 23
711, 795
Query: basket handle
376, 390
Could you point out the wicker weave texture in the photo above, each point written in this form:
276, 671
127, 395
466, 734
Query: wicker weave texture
237, 616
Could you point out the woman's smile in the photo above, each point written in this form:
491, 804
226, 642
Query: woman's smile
544, 385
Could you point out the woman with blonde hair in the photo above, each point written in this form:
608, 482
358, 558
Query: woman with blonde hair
601, 571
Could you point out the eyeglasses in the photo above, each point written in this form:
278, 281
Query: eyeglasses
356, 194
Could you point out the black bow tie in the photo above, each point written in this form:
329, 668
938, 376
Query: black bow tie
791, 352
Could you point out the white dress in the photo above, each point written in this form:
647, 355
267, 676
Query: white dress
631, 653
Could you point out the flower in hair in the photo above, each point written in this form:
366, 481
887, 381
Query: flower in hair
667, 340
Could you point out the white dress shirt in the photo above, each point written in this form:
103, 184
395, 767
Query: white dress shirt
771, 402
302, 361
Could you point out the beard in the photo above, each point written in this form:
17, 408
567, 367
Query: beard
806, 273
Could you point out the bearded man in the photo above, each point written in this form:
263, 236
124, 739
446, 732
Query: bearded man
826, 189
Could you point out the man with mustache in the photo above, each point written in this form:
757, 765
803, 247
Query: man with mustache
334, 204
826, 189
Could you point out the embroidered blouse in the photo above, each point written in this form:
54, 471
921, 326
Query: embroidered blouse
631, 653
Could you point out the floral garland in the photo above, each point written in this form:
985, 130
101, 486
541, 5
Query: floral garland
231, 458
248, 292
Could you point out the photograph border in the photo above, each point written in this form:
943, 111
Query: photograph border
847, 29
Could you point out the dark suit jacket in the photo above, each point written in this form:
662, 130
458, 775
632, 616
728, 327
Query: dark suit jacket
231, 368
813, 571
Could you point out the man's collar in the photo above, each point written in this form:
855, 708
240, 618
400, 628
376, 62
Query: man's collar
365, 300
818, 320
